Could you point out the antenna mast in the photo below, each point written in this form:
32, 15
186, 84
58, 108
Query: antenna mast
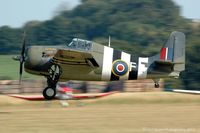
109, 42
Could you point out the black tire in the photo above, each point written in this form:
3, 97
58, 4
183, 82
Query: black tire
49, 93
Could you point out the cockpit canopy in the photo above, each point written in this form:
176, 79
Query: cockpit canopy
80, 44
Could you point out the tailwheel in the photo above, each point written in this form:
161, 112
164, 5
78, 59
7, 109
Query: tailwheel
157, 85
156, 81
49, 93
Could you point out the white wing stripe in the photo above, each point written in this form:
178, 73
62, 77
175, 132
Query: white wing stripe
107, 63
142, 67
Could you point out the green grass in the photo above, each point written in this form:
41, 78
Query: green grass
9, 69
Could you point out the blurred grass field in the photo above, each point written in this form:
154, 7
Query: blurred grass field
9, 69
136, 113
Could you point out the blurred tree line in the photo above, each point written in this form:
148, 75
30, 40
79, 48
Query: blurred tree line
139, 27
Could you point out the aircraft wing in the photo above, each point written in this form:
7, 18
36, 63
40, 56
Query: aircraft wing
74, 57
75, 97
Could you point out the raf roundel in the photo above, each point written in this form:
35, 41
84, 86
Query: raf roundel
120, 68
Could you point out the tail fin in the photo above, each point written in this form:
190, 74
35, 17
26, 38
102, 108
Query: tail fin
174, 51
171, 59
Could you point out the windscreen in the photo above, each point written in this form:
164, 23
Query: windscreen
80, 44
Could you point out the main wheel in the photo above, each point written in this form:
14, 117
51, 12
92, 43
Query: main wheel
49, 93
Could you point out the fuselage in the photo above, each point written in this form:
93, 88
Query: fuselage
112, 64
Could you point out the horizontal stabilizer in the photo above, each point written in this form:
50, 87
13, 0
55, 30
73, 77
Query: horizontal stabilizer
167, 62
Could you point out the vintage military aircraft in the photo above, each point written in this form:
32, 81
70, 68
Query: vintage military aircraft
87, 60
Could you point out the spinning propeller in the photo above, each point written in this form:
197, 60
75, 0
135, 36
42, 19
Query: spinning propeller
21, 58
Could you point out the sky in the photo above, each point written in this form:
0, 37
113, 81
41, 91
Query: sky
189, 8
16, 13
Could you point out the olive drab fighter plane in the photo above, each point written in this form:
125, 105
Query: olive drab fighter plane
90, 61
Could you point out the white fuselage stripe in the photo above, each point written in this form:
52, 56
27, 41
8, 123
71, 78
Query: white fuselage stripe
127, 58
107, 63
142, 67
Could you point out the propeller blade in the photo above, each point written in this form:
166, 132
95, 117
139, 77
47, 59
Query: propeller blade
22, 57
20, 71
23, 44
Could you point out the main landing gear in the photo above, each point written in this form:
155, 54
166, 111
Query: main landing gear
54, 74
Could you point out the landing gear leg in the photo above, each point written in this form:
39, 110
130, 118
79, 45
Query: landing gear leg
54, 74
